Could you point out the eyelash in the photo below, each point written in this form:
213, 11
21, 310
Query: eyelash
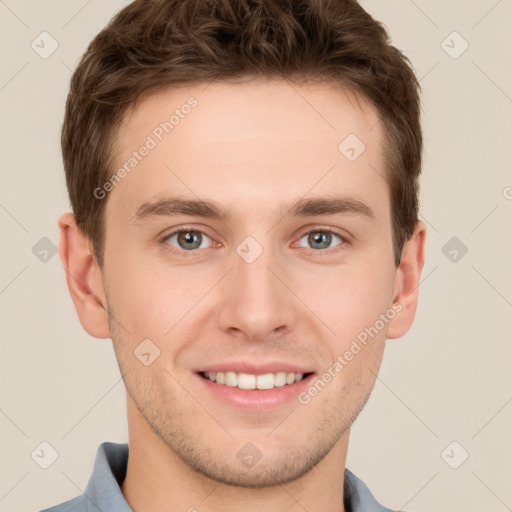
182, 252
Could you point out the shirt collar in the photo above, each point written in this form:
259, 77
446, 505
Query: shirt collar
103, 491
104, 487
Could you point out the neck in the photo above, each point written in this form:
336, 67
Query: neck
158, 480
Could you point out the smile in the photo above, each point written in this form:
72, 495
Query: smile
251, 381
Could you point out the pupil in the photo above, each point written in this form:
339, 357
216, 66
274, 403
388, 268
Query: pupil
188, 238
321, 238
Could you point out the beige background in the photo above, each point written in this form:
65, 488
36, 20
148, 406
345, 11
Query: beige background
448, 380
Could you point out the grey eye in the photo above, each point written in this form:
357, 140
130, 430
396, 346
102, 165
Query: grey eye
188, 240
319, 239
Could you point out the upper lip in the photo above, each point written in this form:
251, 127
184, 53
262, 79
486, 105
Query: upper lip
255, 369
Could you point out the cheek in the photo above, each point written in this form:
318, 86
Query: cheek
347, 298
150, 298
363, 317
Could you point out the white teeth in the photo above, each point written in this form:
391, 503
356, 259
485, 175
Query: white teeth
246, 381
280, 379
231, 379
265, 381
249, 381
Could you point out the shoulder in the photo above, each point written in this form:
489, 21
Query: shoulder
78, 504
102, 492
358, 497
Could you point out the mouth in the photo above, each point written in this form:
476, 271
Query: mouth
249, 381
254, 386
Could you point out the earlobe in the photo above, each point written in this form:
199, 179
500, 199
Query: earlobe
84, 278
407, 281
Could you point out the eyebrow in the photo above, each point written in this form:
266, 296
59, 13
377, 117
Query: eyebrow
173, 206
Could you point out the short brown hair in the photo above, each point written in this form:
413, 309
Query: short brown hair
154, 44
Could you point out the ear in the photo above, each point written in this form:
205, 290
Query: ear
84, 278
407, 282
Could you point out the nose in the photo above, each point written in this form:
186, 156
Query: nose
255, 301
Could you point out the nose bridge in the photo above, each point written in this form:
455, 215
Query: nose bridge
253, 281
256, 302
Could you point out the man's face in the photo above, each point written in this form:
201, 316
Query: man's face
258, 291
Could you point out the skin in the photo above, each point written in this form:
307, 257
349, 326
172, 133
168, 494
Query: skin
254, 147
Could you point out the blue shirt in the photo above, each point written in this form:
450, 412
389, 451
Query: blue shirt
103, 491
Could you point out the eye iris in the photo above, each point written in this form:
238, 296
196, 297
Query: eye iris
188, 238
321, 238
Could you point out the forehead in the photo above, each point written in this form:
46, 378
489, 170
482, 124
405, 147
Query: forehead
245, 139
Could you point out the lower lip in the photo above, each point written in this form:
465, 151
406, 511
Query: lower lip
260, 399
